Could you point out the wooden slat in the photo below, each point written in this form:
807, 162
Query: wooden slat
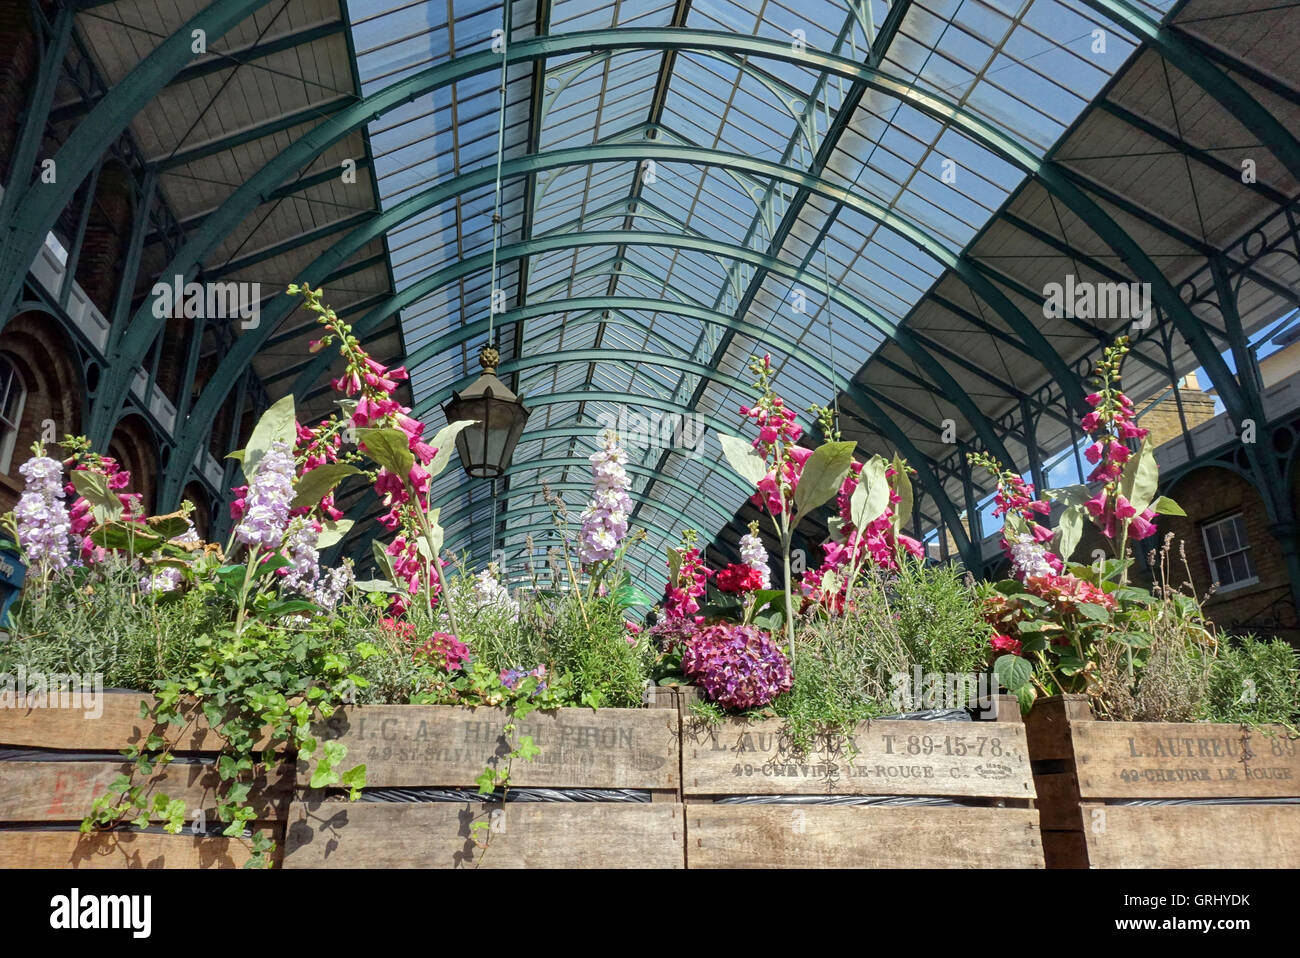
418, 745
34, 849
118, 726
884, 758
1058, 801
64, 791
1173, 760
861, 836
528, 835
1193, 836
1049, 726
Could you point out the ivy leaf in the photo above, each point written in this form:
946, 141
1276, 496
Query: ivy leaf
314, 486
445, 443
487, 782
278, 424
389, 448
823, 473
744, 459
527, 750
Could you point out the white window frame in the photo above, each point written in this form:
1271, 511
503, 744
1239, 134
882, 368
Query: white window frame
1211, 558
9, 441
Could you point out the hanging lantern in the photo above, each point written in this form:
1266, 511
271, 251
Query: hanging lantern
499, 415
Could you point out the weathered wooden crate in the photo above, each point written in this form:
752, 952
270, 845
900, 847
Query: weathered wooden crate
980, 768
447, 748
68, 759
1088, 773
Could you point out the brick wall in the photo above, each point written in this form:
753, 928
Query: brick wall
1162, 417
134, 448
108, 235
18, 64
45, 359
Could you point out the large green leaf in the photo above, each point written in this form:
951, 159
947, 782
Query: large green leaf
131, 539
316, 485
1140, 477
278, 424
1069, 531
1164, 506
375, 585
1071, 495
169, 527
93, 487
445, 443
822, 475
902, 483
390, 448
382, 558
674, 566
749, 465
332, 532
871, 497
1013, 671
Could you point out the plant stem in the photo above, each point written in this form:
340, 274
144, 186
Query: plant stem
789, 593
253, 556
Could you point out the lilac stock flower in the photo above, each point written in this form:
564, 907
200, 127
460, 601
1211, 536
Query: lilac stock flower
166, 579
270, 491
305, 577
42, 520
489, 593
604, 521
1029, 558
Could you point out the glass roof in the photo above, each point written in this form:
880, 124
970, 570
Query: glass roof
1026, 67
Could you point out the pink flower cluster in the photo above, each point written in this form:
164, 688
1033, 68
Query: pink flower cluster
737, 666
778, 435
445, 651
81, 515
1111, 422
691, 579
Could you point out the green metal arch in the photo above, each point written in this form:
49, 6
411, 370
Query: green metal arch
524, 468
1035, 343
41, 204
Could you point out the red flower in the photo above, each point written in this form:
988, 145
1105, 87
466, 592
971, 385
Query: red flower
738, 577
1005, 643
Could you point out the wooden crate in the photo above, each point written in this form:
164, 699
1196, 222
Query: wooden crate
444, 747
1084, 768
982, 767
44, 796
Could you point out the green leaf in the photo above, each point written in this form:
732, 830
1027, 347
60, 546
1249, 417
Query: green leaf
445, 444
332, 532
674, 566
93, 487
871, 497
316, 485
290, 607
744, 459
1093, 611
375, 585
1164, 506
1069, 531
169, 527
823, 473
628, 596
1013, 671
383, 559
1138, 482
389, 448
130, 539
278, 424
902, 483
1025, 695
1075, 495
355, 777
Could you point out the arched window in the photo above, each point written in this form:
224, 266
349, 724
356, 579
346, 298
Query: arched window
13, 395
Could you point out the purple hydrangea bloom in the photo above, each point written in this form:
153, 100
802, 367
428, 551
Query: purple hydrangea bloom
270, 491
604, 521
43, 525
737, 666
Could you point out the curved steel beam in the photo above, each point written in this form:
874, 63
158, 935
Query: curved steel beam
1234, 98
306, 148
42, 202
1035, 344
